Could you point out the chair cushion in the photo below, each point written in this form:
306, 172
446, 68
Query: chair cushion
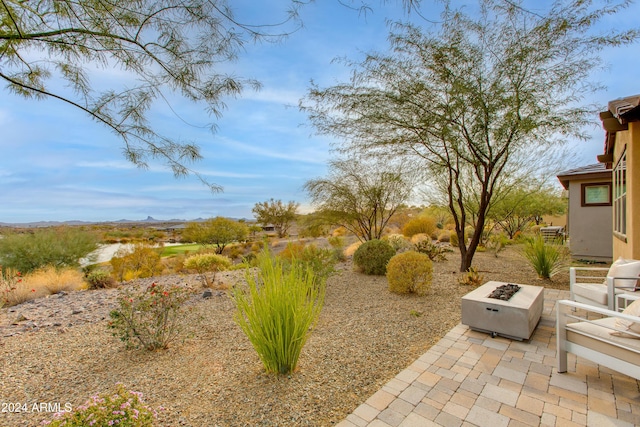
625, 268
592, 291
632, 309
597, 336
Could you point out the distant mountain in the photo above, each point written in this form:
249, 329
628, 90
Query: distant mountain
148, 220
37, 224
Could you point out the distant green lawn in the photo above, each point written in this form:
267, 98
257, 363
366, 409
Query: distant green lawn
179, 249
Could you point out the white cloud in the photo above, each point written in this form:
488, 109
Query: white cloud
108, 164
303, 154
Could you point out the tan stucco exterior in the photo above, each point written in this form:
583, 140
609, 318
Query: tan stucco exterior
630, 140
622, 124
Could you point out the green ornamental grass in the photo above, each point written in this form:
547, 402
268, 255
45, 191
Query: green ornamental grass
546, 258
278, 311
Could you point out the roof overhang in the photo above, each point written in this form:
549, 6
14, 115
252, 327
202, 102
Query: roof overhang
619, 114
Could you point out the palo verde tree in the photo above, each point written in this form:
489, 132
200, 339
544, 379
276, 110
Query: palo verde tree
359, 196
468, 95
163, 48
523, 206
275, 212
218, 232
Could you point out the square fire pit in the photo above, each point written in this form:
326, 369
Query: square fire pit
515, 318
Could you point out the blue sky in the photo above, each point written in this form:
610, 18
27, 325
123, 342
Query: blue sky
57, 165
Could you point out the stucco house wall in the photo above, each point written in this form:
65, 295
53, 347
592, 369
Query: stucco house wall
622, 123
589, 223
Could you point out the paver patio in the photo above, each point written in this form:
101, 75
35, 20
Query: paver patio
471, 379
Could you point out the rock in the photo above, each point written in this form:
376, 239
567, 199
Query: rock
21, 318
504, 292
77, 311
207, 293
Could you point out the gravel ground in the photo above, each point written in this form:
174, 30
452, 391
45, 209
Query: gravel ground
364, 337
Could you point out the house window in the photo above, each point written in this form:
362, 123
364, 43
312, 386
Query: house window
596, 194
620, 197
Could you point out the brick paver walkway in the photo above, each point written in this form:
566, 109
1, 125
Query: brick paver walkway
471, 379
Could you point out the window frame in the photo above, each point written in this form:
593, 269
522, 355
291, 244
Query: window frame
620, 197
584, 187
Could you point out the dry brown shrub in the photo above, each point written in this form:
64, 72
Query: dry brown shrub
351, 249
55, 281
421, 224
420, 237
339, 232
43, 282
444, 237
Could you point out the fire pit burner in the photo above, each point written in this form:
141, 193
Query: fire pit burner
515, 319
504, 292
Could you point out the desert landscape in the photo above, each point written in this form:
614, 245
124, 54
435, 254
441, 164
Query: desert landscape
62, 352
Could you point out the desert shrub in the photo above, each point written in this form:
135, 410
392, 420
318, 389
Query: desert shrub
137, 262
311, 228
339, 232
453, 239
56, 280
471, 277
292, 250
173, 264
421, 224
547, 259
235, 252
436, 234
351, 249
409, 272
468, 231
372, 257
417, 238
99, 279
16, 288
151, 318
444, 237
398, 242
10, 282
249, 260
498, 242
433, 251
278, 311
321, 261
124, 408
535, 229
336, 242
58, 247
207, 263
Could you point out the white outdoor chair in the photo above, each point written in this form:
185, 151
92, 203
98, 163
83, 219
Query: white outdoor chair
612, 291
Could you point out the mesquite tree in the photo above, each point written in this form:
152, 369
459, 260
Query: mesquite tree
360, 196
467, 97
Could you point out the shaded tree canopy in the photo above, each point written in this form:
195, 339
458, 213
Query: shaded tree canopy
486, 86
361, 197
